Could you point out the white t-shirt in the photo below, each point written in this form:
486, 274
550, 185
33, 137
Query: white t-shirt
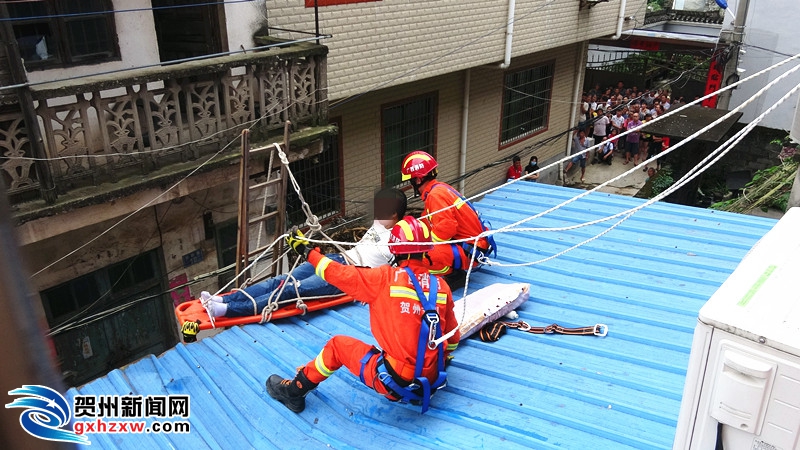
600, 125
372, 255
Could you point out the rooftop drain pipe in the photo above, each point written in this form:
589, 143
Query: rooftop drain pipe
512, 5
620, 19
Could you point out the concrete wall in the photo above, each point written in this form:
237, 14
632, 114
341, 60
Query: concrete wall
176, 226
773, 29
393, 42
361, 124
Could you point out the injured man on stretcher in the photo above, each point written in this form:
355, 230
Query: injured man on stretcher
389, 207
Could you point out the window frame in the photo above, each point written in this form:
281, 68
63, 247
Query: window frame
434, 97
508, 142
59, 29
109, 292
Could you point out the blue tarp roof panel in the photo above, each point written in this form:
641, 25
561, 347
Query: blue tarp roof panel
646, 279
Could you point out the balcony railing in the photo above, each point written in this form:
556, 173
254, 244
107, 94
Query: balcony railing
101, 128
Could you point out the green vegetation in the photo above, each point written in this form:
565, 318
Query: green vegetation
769, 188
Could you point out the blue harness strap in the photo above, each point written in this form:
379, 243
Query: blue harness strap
420, 390
485, 226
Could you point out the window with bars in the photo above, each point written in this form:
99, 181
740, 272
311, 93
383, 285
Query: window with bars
320, 183
407, 126
526, 102
63, 32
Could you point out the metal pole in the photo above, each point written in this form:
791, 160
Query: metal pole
316, 19
733, 41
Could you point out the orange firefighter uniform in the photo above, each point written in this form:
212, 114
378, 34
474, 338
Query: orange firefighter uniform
459, 222
395, 315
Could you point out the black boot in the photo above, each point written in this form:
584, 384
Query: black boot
292, 393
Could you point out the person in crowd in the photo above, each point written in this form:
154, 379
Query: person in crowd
515, 171
532, 168
632, 140
579, 144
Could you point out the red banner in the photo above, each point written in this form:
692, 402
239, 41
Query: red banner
713, 83
640, 44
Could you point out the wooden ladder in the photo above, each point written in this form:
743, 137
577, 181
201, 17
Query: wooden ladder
268, 221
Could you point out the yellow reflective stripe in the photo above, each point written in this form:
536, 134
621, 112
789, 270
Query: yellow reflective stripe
458, 203
319, 364
323, 264
404, 292
406, 230
441, 271
451, 347
435, 238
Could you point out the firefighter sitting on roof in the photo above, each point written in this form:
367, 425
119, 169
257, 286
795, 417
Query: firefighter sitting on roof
408, 309
456, 222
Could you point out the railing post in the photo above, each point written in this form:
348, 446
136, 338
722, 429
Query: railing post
18, 76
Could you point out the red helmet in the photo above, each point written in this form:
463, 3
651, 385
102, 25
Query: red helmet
417, 164
413, 236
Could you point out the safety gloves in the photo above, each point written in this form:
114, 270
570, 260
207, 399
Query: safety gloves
298, 242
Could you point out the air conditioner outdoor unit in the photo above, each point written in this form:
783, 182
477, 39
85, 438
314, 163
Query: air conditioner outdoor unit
742, 387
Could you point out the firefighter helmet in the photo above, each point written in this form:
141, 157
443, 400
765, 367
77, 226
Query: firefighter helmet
410, 236
417, 164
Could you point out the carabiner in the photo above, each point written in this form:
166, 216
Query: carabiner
601, 330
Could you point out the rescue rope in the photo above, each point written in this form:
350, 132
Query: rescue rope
600, 330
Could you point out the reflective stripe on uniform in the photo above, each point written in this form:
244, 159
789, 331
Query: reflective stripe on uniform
404, 292
321, 266
319, 364
451, 347
441, 271
435, 238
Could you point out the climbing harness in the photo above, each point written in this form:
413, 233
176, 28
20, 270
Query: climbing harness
420, 389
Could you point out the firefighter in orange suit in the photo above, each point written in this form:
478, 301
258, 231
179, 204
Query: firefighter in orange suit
459, 220
408, 308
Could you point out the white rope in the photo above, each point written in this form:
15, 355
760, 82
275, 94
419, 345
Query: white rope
513, 227
701, 167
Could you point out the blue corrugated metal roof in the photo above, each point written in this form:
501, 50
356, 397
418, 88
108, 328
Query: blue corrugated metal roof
646, 279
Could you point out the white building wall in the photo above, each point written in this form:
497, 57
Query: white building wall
137, 45
393, 42
773, 29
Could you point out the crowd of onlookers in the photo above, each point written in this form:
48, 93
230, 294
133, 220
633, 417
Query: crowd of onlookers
602, 115
605, 113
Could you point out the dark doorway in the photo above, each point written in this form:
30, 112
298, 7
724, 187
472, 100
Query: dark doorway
188, 28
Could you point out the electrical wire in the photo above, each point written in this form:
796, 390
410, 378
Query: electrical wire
111, 11
150, 202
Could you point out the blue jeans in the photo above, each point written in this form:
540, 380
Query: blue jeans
306, 282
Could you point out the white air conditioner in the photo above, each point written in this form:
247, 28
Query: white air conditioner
743, 383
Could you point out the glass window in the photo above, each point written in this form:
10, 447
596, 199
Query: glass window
49, 32
526, 102
407, 126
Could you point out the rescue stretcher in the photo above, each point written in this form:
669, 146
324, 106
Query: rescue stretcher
482, 306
